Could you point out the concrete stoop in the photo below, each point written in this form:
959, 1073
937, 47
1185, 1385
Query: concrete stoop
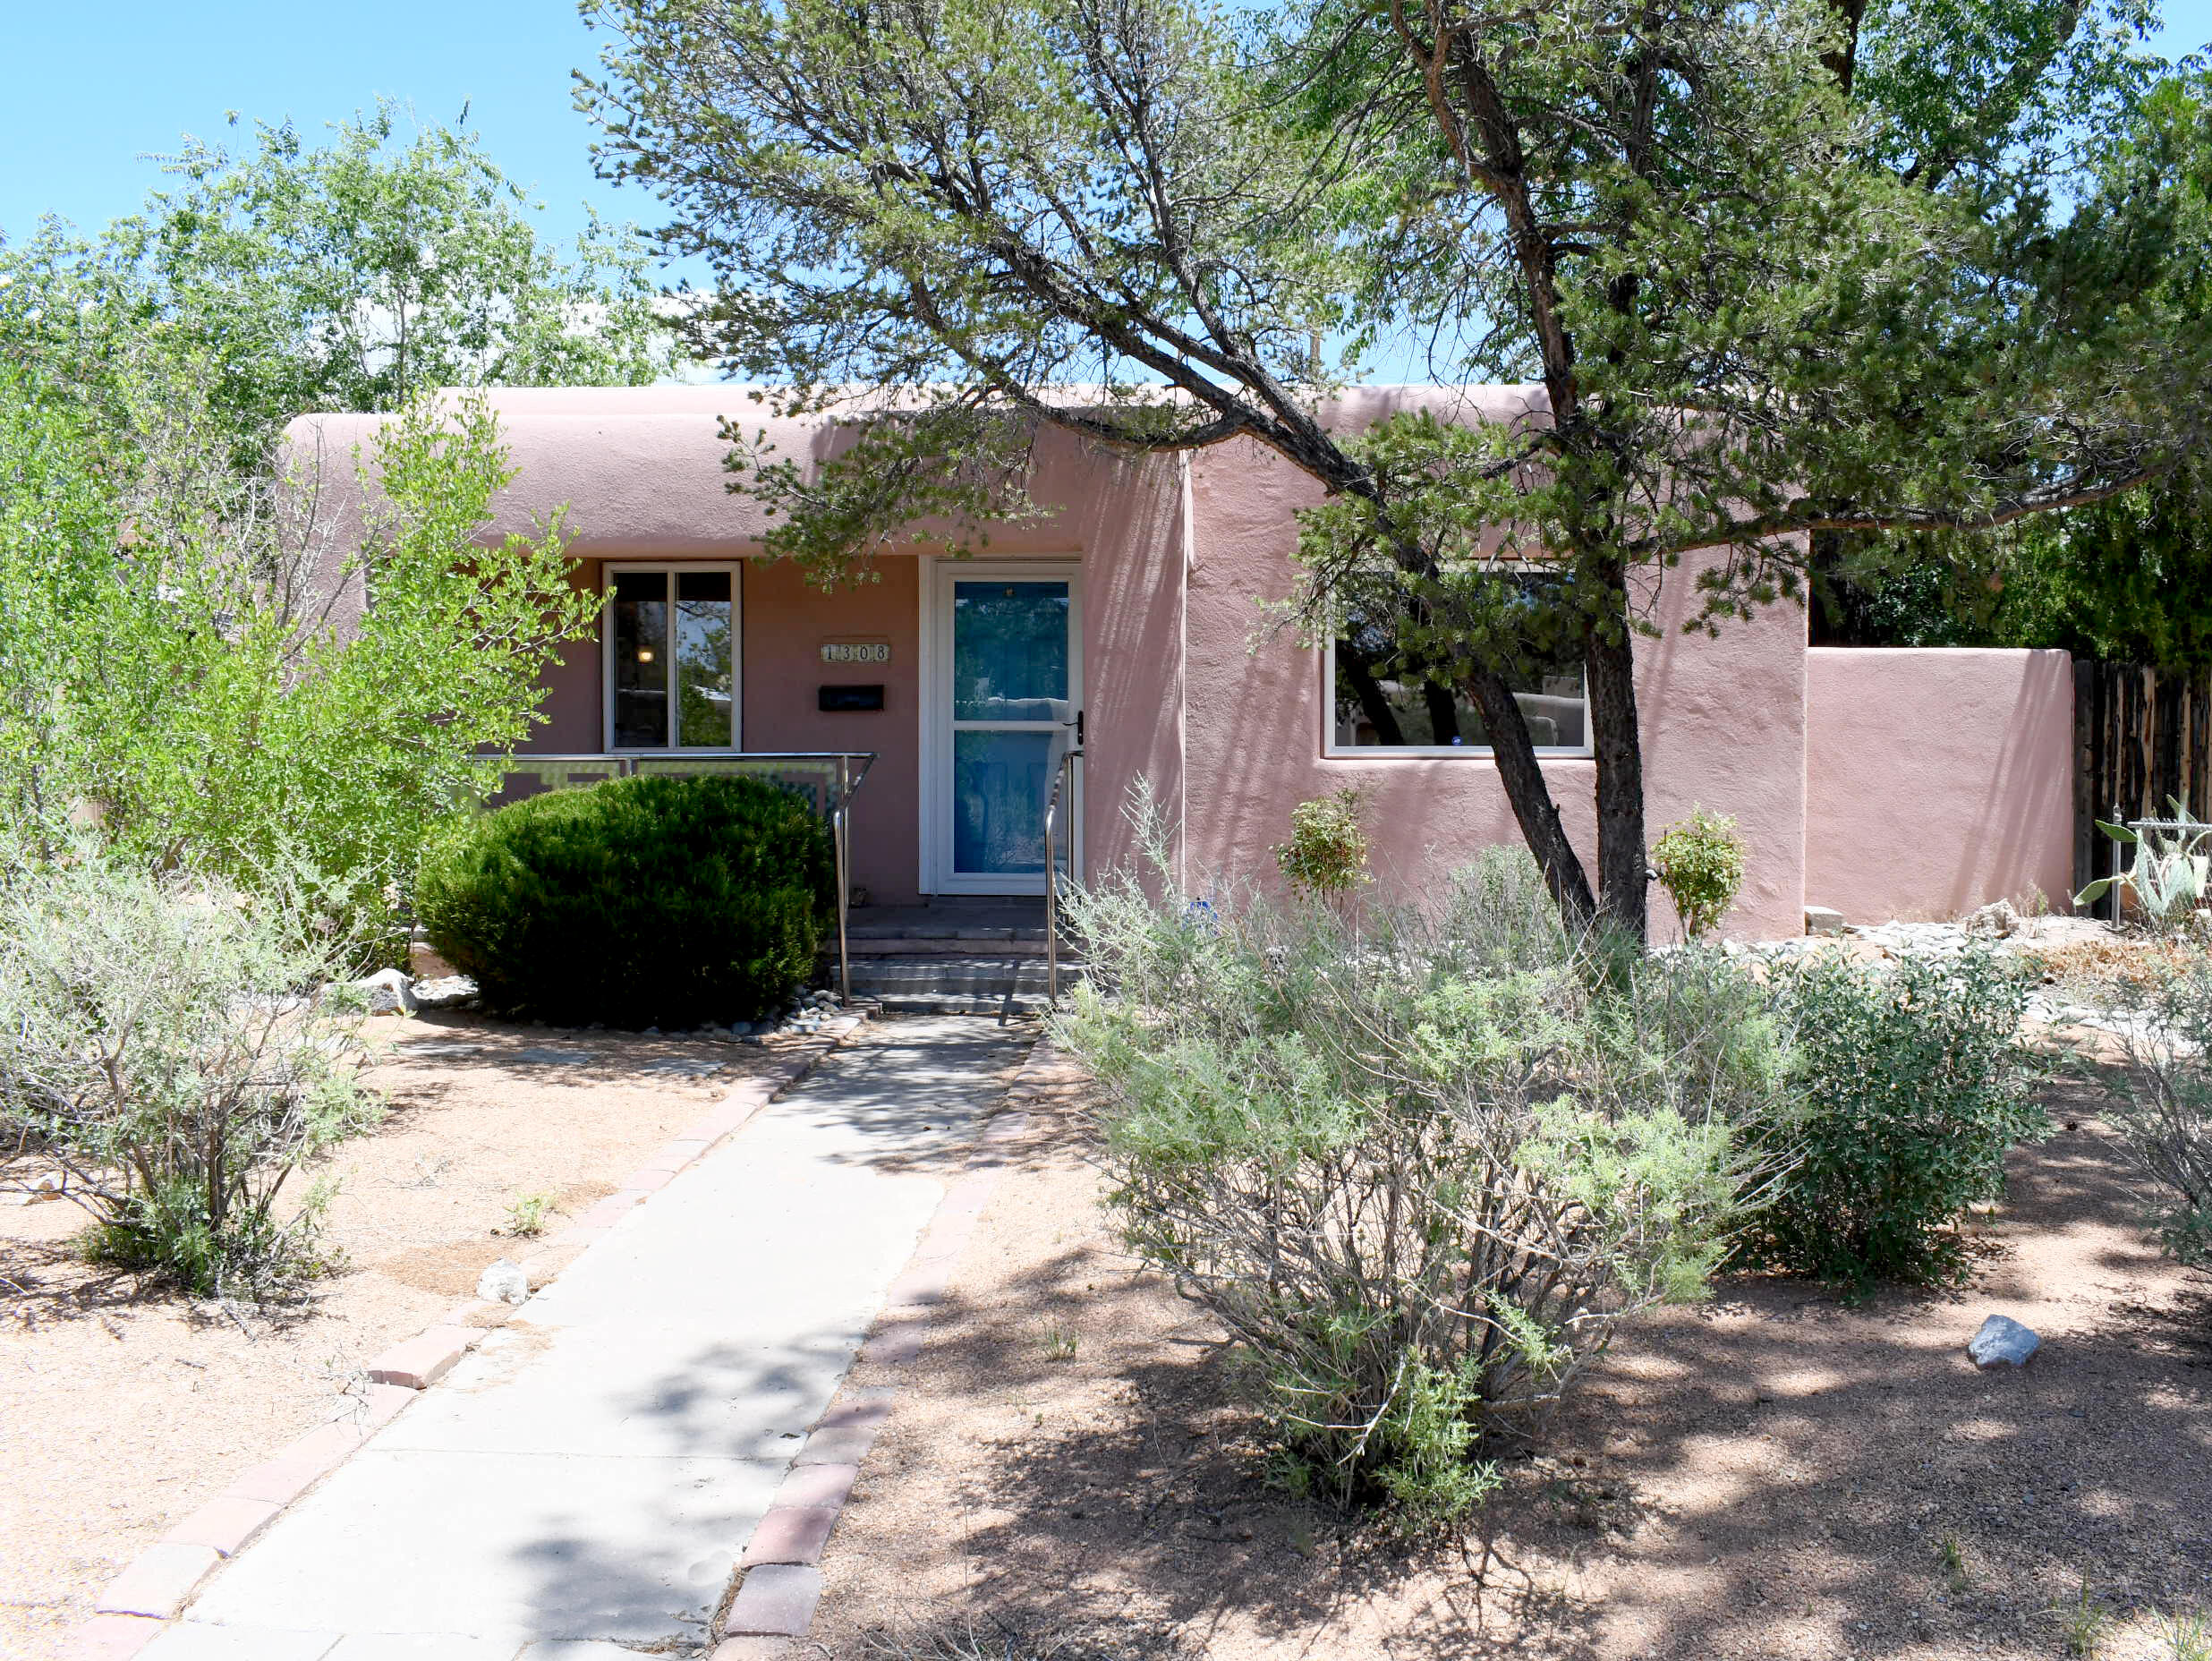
961, 983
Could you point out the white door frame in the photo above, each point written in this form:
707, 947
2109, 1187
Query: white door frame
935, 716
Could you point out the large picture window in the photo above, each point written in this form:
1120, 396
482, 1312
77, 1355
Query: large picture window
1383, 697
671, 652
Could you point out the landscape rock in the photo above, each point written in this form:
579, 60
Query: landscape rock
2002, 1341
1997, 920
389, 992
504, 1283
1822, 920
449, 991
48, 1185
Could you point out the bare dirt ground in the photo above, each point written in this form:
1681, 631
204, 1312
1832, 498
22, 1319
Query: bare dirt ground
1772, 1474
124, 1406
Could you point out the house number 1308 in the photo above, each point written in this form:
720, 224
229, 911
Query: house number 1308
847, 652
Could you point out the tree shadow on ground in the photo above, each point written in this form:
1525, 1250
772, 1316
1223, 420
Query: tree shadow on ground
1774, 1473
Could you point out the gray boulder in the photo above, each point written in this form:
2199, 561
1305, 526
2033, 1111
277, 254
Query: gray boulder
389, 992
2002, 1341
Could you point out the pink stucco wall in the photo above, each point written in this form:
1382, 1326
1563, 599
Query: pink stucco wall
1880, 783
1722, 721
1936, 781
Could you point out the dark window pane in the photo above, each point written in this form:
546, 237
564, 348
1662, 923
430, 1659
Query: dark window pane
999, 785
1386, 697
637, 633
1009, 652
704, 685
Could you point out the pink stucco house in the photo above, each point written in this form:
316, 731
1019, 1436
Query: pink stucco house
1914, 783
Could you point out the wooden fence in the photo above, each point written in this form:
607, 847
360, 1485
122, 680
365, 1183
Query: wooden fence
2142, 738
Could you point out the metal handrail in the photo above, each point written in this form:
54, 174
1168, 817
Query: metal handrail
618, 764
1064, 778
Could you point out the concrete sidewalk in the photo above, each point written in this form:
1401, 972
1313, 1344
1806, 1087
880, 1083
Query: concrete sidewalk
584, 1483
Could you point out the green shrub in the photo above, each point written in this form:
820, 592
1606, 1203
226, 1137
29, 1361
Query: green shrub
1700, 865
180, 1048
2162, 1106
1419, 1172
655, 900
1911, 1085
1326, 855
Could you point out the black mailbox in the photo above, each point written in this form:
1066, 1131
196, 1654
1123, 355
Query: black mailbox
842, 698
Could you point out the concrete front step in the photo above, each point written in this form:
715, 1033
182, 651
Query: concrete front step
949, 983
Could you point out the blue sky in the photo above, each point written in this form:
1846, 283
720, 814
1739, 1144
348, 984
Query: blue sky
97, 89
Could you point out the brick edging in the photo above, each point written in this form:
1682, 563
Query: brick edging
154, 1587
779, 1573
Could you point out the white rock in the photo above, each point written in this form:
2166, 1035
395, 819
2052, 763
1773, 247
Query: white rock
448, 992
389, 992
1822, 920
2002, 1341
504, 1283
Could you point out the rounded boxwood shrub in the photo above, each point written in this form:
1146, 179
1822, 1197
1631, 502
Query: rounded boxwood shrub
655, 900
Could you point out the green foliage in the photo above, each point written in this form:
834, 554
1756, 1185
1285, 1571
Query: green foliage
2167, 878
1913, 268
1700, 865
178, 1045
2161, 1104
1419, 1171
652, 900
1911, 1085
177, 663
1326, 855
359, 275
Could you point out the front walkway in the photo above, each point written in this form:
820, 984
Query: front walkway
593, 1471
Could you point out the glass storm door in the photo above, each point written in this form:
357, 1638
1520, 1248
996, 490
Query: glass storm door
671, 681
1013, 645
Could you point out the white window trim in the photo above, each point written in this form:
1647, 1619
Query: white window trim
1332, 750
612, 569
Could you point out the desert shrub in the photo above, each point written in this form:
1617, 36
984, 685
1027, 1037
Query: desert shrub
1327, 853
654, 900
2162, 1106
181, 1048
1910, 1084
1419, 1172
1700, 865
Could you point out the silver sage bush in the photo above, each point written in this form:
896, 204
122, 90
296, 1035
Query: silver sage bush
179, 1047
1418, 1164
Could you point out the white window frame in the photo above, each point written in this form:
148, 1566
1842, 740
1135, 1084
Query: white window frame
1333, 750
613, 568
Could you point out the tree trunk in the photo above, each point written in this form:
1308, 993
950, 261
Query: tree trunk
1531, 795
1622, 861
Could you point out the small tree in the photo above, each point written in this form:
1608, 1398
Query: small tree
170, 664
358, 274
1776, 270
1326, 856
1699, 863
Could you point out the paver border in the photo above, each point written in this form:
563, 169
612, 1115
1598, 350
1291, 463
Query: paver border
146, 1595
771, 1604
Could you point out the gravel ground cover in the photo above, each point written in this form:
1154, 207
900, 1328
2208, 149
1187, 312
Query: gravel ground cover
124, 1406
1773, 1474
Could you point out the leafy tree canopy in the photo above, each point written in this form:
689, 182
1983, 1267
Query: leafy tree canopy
354, 275
1771, 270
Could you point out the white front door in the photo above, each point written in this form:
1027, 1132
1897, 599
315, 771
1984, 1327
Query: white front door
1005, 688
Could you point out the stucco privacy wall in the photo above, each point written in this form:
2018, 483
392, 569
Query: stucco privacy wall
1937, 779
1722, 720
